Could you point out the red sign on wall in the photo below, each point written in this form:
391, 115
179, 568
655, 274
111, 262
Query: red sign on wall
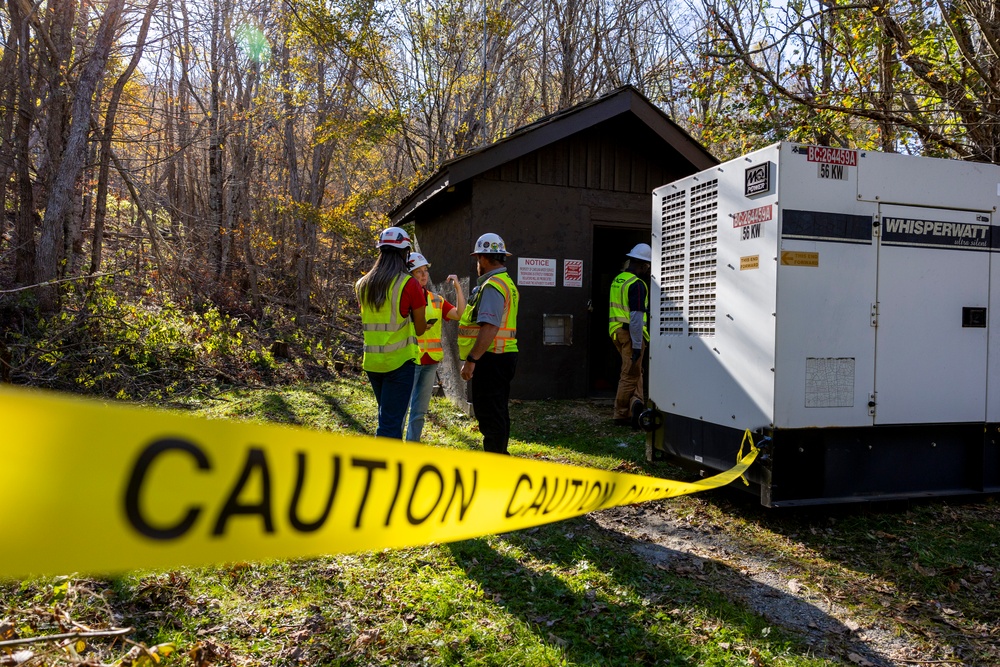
572, 273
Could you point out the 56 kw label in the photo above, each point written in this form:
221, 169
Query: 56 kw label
749, 221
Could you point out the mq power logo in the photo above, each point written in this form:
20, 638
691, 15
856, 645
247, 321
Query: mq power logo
757, 180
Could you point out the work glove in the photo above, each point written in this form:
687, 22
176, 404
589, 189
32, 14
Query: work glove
636, 354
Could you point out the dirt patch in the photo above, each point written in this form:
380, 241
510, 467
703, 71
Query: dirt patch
704, 550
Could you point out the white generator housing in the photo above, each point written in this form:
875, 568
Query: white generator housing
845, 304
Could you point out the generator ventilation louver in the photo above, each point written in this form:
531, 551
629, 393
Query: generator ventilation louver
688, 260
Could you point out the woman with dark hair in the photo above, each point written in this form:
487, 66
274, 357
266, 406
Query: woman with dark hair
392, 315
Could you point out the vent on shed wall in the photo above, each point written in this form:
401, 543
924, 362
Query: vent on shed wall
688, 251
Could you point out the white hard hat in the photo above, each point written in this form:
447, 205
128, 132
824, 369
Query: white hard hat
394, 237
642, 252
416, 260
489, 244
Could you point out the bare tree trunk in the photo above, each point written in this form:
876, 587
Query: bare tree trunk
217, 232
244, 159
24, 226
8, 84
60, 202
886, 81
104, 160
303, 228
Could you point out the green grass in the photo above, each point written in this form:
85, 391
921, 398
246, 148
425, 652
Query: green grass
571, 593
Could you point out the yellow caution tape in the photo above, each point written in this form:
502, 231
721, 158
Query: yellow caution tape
91, 487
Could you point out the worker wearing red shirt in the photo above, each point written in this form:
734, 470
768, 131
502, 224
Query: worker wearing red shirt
392, 316
431, 351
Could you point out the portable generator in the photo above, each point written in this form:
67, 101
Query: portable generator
840, 304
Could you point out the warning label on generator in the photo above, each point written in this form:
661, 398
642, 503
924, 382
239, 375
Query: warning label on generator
749, 263
798, 258
916, 231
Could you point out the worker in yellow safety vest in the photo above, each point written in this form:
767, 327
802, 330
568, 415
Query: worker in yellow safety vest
392, 316
628, 325
487, 341
431, 350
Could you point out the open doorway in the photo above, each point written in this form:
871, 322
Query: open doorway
611, 243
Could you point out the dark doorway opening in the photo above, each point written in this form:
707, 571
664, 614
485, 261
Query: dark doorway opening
611, 244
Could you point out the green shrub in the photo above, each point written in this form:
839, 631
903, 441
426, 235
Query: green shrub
100, 343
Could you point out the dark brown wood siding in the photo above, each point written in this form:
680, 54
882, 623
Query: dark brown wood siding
599, 159
549, 204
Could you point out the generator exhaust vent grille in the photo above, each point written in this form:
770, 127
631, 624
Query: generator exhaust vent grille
689, 236
673, 251
703, 248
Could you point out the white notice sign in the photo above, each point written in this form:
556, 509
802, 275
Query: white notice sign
536, 272
572, 273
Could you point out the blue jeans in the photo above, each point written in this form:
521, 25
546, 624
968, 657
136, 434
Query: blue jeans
420, 398
392, 393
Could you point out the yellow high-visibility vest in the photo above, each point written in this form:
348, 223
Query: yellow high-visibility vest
618, 312
390, 339
506, 338
430, 342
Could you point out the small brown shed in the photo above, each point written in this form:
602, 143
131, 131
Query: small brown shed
570, 194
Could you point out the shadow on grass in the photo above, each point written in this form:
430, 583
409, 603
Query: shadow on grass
573, 425
930, 563
274, 407
349, 421
592, 628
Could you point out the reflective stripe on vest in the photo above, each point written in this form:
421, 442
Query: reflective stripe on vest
618, 311
506, 337
430, 342
390, 340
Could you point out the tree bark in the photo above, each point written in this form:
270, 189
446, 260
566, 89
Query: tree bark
60, 202
104, 161
24, 225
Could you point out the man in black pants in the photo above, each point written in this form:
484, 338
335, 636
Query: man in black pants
487, 341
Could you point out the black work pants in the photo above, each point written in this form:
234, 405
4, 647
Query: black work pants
490, 397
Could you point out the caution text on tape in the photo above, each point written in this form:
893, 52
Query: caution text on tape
101, 488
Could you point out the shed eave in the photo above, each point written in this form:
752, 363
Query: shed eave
426, 192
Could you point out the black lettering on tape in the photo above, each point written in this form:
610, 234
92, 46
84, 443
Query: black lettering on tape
395, 494
576, 484
547, 499
517, 485
233, 507
463, 504
603, 493
416, 521
371, 466
539, 500
135, 482
300, 477
553, 503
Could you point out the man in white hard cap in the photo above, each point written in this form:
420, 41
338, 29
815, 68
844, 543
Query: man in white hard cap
628, 326
487, 341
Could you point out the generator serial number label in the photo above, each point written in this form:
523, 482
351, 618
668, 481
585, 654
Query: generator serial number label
834, 172
841, 156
